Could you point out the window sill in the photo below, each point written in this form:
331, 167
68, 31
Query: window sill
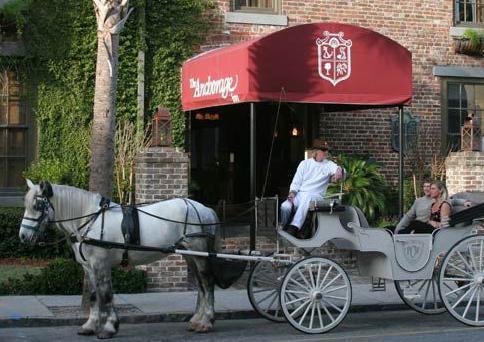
256, 18
12, 201
458, 31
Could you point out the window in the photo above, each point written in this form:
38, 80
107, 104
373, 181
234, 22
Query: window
469, 12
257, 6
460, 99
13, 133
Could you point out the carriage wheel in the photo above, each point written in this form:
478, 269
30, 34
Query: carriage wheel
315, 295
421, 295
461, 281
263, 289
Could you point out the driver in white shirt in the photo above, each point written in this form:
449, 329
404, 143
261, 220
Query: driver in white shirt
309, 184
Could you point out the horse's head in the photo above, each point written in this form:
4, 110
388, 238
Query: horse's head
38, 212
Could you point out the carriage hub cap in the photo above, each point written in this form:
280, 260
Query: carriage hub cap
480, 279
316, 295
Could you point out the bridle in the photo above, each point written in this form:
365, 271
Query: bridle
43, 205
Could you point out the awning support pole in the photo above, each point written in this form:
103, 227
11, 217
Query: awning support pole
400, 161
252, 169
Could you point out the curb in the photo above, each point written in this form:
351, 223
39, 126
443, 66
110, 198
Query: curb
168, 317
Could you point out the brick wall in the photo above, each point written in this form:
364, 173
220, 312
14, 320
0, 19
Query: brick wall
162, 173
465, 172
420, 26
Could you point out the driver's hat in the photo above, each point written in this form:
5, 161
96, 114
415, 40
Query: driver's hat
320, 144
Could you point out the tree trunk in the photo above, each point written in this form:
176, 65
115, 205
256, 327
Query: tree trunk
111, 16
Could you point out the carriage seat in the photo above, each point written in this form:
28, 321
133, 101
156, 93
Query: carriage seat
346, 213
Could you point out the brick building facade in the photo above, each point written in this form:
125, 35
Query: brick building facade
427, 29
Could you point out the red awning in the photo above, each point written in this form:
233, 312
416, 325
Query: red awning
312, 63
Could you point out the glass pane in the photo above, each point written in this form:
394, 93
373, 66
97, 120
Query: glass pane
468, 96
15, 116
480, 96
453, 123
15, 168
3, 172
469, 16
453, 142
16, 142
3, 110
3, 137
480, 115
480, 11
461, 11
453, 95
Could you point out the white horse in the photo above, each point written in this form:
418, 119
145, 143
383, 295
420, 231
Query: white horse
46, 204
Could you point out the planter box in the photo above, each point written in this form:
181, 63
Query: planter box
464, 46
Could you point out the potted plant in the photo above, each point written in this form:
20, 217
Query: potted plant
469, 43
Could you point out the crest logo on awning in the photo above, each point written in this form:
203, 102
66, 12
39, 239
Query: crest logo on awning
334, 57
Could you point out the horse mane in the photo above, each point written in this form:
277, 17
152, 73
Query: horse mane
71, 202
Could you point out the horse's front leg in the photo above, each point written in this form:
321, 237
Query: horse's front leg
108, 323
89, 328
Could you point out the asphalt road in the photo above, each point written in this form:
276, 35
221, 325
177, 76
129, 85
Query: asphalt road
374, 326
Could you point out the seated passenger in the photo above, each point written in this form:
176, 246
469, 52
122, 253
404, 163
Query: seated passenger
309, 184
420, 209
439, 211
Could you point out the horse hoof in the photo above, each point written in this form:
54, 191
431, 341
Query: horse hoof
193, 326
202, 328
85, 332
103, 335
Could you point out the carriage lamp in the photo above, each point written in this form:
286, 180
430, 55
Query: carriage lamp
471, 134
161, 128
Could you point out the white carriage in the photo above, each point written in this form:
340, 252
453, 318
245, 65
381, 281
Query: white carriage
432, 272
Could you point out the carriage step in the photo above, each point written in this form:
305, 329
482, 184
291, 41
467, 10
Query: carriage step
378, 284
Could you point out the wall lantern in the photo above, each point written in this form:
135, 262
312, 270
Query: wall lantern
161, 128
470, 134
296, 131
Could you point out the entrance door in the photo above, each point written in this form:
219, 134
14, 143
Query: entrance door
220, 164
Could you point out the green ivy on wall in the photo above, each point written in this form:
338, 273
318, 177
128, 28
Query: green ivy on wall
60, 40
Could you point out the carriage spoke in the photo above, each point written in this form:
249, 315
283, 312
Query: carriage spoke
296, 300
335, 289
319, 316
333, 305
459, 269
299, 284
480, 256
319, 274
304, 278
457, 289
273, 300
469, 302
457, 279
332, 281
336, 297
421, 286
461, 298
464, 260
297, 292
478, 304
300, 307
305, 313
263, 290
311, 276
435, 295
267, 297
473, 261
426, 294
327, 311
311, 319
326, 276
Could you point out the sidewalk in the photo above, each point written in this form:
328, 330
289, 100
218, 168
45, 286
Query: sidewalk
16, 311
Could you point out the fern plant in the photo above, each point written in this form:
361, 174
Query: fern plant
364, 186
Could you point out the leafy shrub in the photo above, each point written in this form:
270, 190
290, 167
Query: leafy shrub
364, 187
65, 276
11, 247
